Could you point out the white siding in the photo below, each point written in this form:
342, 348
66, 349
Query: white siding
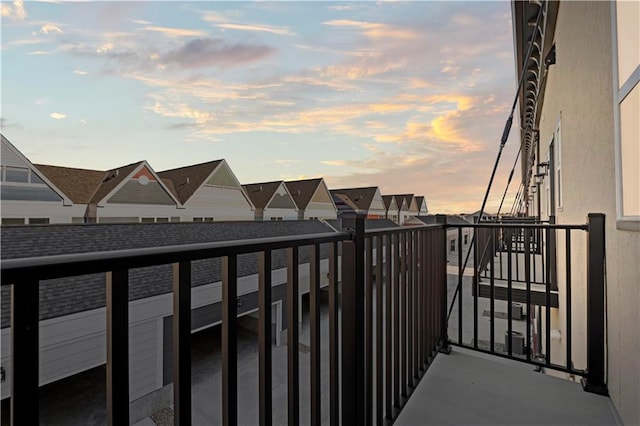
219, 203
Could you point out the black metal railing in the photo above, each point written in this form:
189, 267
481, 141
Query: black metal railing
400, 274
503, 271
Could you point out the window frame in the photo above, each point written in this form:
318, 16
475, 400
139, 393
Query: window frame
620, 92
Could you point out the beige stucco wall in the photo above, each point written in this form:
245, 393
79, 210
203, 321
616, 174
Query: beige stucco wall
579, 92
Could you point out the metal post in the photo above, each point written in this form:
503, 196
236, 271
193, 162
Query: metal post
182, 343
444, 344
594, 382
117, 303
24, 352
353, 388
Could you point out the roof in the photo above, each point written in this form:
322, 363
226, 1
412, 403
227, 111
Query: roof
112, 179
343, 203
361, 197
387, 199
80, 185
369, 224
261, 193
302, 190
430, 219
186, 180
420, 201
65, 296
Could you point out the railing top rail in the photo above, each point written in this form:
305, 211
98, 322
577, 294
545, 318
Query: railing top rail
387, 231
517, 226
57, 266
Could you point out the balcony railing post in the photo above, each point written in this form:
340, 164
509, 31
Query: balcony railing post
595, 379
353, 386
445, 347
24, 352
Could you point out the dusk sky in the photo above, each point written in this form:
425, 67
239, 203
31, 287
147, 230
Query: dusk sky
408, 96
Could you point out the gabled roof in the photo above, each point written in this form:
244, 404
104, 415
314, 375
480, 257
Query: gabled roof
343, 203
80, 185
113, 178
302, 191
84, 186
420, 201
361, 197
401, 201
387, 200
406, 200
261, 194
186, 180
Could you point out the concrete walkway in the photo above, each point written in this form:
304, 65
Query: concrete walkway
470, 388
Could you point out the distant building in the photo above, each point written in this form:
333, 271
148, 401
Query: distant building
209, 192
28, 196
367, 200
271, 200
313, 199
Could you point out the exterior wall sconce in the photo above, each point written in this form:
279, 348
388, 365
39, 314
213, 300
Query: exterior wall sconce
534, 189
543, 168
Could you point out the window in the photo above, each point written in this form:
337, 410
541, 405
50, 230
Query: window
626, 76
15, 174
147, 220
38, 221
452, 245
273, 218
208, 219
197, 219
466, 239
175, 219
162, 219
12, 221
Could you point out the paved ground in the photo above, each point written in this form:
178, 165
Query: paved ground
473, 389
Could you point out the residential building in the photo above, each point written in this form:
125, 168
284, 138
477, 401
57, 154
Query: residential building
453, 245
28, 196
422, 205
579, 109
367, 200
313, 199
271, 200
391, 207
131, 193
209, 191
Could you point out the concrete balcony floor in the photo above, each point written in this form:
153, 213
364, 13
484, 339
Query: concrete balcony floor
467, 387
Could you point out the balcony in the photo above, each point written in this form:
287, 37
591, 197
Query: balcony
381, 353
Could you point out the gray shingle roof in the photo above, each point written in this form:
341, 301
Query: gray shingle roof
65, 296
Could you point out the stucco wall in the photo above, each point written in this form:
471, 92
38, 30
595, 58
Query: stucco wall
579, 92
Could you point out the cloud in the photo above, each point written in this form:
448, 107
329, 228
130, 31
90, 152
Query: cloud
176, 32
28, 41
57, 115
206, 52
335, 163
140, 22
375, 30
41, 52
50, 29
80, 72
105, 48
258, 28
15, 12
